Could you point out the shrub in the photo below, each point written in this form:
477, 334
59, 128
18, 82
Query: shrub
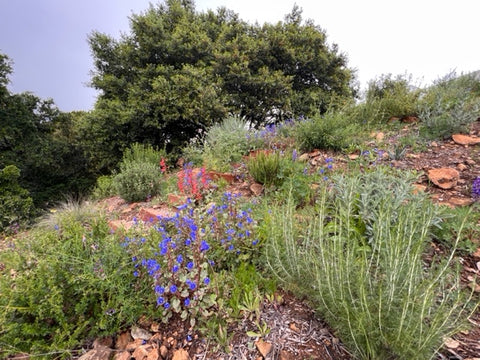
226, 142
105, 187
359, 258
140, 173
16, 206
333, 131
449, 106
138, 181
66, 281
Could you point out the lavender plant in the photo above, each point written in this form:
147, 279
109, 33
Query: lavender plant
476, 188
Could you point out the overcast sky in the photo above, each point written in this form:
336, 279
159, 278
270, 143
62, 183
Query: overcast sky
47, 39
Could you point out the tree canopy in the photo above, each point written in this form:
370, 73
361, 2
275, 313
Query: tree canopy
179, 71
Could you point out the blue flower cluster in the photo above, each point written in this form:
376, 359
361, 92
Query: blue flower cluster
476, 188
177, 253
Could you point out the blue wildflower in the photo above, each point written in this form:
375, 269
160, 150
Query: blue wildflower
173, 288
206, 281
186, 302
159, 289
204, 246
160, 300
190, 265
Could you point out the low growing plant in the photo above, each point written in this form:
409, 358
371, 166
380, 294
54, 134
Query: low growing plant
360, 261
66, 281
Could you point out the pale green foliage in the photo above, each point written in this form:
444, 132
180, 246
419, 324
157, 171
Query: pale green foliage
226, 142
359, 258
449, 106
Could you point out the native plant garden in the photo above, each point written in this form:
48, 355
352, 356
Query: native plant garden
348, 235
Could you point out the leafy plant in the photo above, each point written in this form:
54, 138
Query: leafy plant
140, 173
334, 131
449, 106
66, 281
360, 261
105, 187
16, 205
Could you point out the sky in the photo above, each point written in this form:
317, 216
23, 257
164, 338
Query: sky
424, 39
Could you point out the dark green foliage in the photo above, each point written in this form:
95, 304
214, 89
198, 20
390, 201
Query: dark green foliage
16, 206
42, 143
180, 71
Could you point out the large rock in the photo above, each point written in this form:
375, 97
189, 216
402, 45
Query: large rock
445, 178
465, 139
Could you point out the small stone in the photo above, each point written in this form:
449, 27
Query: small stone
445, 178
256, 189
419, 188
462, 167
263, 347
465, 139
141, 352
163, 351
123, 355
139, 333
294, 327
180, 354
99, 353
353, 156
154, 354
470, 161
303, 157
155, 327
285, 355
451, 343
105, 341
131, 346
380, 136
122, 341
434, 144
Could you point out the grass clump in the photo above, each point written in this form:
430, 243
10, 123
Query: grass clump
359, 258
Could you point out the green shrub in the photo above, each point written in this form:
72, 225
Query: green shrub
334, 131
16, 206
105, 187
359, 258
138, 182
449, 106
140, 174
65, 283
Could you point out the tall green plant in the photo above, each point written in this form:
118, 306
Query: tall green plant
359, 259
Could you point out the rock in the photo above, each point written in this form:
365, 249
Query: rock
418, 188
285, 355
131, 346
294, 327
380, 136
163, 351
256, 189
151, 214
445, 178
458, 201
213, 175
176, 200
263, 347
139, 333
99, 353
154, 354
465, 139
122, 341
180, 354
303, 157
452, 344
123, 355
106, 341
142, 352
353, 156
462, 167
118, 225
